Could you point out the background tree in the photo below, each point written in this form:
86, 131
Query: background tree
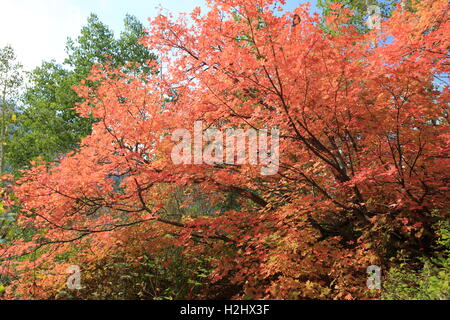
49, 124
10, 82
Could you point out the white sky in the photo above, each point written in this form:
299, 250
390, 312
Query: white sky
38, 29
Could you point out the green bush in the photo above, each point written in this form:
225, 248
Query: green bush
431, 281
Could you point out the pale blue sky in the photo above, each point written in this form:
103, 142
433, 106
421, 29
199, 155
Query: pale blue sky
38, 29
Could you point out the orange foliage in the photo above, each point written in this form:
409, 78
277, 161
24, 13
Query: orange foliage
363, 146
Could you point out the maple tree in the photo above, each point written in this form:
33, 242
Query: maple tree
363, 153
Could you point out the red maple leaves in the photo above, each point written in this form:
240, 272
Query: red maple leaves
364, 133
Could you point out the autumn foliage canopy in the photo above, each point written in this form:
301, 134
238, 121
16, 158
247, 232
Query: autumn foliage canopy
363, 169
